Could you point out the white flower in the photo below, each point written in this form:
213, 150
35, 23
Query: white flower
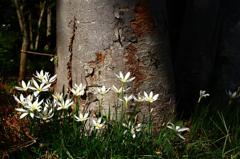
124, 79
34, 106
116, 90
177, 129
41, 75
81, 117
30, 108
103, 90
23, 111
52, 79
24, 86
139, 98
44, 77
135, 129
21, 100
150, 98
49, 79
202, 94
29, 98
132, 129
233, 94
126, 99
78, 90
98, 124
43, 87
63, 105
47, 112
58, 96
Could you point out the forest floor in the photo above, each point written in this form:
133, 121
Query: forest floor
212, 135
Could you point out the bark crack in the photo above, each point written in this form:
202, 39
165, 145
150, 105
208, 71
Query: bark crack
70, 49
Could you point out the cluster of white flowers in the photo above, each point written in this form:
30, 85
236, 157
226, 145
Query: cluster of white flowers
139, 98
30, 101
33, 102
29, 107
83, 117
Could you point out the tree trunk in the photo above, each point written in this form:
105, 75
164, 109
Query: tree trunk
25, 39
96, 39
49, 26
42, 10
23, 58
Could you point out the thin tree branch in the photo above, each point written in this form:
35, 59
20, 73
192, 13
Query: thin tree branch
21, 20
42, 10
49, 25
49, 20
36, 53
30, 31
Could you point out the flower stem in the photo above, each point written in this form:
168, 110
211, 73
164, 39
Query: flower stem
121, 96
149, 120
100, 106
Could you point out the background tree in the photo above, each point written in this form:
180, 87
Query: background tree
32, 26
96, 39
204, 42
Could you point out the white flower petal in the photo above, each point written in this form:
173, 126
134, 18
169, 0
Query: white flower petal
23, 115
183, 129
127, 76
134, 135
155, 97
35, 84
121, 75
32, 115
21, 110
151, 94
131, 79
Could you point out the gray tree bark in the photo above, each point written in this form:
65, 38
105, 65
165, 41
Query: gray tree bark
96, 39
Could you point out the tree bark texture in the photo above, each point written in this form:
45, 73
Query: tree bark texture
23, 59
96, 39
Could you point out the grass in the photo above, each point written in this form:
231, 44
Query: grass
211, 136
